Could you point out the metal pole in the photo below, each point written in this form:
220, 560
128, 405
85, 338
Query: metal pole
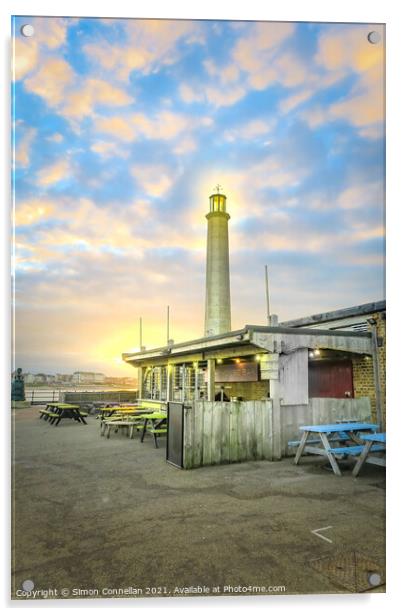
140, 333
167, 326
267, 295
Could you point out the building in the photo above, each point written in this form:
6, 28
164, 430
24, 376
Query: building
365, 376
80, 378
317, 369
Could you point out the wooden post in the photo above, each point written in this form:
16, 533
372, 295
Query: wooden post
183, 383
196, 392
139, 377
211, 380
274, 392
168, 382
376, 370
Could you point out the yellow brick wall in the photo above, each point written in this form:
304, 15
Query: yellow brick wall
363, 376
249, 390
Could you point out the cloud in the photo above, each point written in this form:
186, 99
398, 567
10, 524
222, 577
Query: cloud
32, 211
190, 94
347, 50
55, 138
149, 45
249, 130
185, 146
226, 74
107, 149
23, 151
50, 34
116, 126
53, 173
25, 57
51, 31
289, 103
93, 92
155, 180
51, 81
164, 125
73, 97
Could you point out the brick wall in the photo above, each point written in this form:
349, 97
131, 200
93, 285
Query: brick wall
363, 376
248, 390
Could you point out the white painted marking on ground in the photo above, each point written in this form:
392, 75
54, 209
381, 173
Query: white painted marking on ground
315, 532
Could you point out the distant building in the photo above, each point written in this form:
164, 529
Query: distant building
29, 378
88, 378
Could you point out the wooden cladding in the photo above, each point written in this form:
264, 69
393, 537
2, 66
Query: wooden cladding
223, 432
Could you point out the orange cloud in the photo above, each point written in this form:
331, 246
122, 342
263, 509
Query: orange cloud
156, 180
117, 127
25, 57
53, 173
50, 33
29, 212
149, 43
81, 102
51, 80
22, 154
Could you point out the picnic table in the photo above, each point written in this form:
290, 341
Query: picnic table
370, 440
156, 424
337, 440
56, 411
109, 411
131, 423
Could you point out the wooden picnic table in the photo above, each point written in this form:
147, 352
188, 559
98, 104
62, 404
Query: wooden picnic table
158, 422
339, 439
131, 424
61, 410
370, 440
109, 411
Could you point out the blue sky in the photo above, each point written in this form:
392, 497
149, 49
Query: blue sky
122, 129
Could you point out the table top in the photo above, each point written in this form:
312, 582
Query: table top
377, 437
122, 408
62, 405
340, 427
154, 415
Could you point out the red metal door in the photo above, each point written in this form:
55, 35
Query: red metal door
330, 379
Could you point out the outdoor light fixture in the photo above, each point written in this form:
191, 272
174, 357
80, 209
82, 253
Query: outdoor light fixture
258, 357
237, 360
219, 360
317, 352
311, 354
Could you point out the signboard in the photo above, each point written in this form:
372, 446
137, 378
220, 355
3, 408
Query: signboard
236, 372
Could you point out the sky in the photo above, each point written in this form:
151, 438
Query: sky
122, 129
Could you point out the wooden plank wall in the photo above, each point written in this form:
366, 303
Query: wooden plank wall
225, 432
319, 411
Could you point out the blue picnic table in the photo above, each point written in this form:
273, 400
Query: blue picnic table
337, 440
369, 447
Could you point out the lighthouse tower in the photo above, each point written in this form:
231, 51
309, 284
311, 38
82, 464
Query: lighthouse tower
217, 297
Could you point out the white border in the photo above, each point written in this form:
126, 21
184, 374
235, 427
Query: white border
379, 11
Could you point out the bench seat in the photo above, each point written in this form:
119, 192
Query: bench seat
314, 441
355, 449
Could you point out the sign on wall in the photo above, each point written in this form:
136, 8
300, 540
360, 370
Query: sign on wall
236, 372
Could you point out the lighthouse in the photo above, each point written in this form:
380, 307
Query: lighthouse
217, 296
